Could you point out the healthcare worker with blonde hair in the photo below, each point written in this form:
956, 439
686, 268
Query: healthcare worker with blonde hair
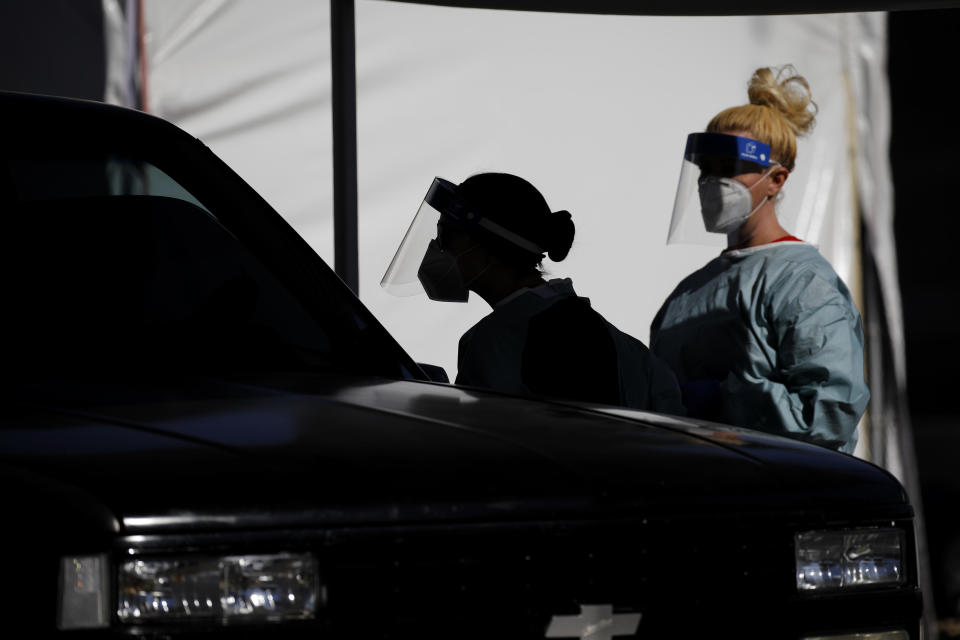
765, 336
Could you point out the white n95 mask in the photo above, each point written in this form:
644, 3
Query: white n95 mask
725, 202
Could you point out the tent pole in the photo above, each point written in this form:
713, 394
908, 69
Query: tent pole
344, 99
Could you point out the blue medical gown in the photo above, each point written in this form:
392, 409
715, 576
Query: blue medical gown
547, 341
774, 326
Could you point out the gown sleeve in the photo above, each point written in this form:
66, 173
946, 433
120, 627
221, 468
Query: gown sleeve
815, 390
470, 370
487, 357
664, 391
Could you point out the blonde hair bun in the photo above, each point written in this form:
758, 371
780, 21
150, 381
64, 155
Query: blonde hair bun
788, 93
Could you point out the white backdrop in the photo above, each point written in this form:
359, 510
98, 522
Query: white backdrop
593, 110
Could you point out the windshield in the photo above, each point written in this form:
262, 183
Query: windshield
111, 265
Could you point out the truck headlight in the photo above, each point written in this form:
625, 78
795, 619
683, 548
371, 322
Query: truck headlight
220, 589
833, 560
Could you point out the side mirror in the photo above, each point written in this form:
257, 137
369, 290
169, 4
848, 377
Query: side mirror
434, 373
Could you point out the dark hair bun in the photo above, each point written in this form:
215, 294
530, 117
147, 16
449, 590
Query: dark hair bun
558, 235
518, 206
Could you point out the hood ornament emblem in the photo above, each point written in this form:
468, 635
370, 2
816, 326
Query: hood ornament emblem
595, 622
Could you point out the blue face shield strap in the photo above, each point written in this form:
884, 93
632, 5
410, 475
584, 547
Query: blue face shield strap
743, 153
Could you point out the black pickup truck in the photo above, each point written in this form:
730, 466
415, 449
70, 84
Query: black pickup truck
204, 433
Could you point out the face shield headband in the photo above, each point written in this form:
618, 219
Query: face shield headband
442, 196
717, 155
441, 202
723, 152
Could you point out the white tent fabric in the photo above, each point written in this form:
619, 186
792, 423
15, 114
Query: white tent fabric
870, 124
593, 110
252, 80
120, 47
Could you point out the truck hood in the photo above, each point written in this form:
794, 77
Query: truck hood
310, 450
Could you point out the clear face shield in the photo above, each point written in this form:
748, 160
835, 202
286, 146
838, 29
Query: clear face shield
423, 262
709, 204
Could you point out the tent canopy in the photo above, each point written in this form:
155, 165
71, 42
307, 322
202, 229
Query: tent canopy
693, 7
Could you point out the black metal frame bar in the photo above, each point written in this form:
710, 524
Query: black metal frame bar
344, 99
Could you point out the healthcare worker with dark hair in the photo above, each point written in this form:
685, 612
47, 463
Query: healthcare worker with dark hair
489, 235
765, 336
